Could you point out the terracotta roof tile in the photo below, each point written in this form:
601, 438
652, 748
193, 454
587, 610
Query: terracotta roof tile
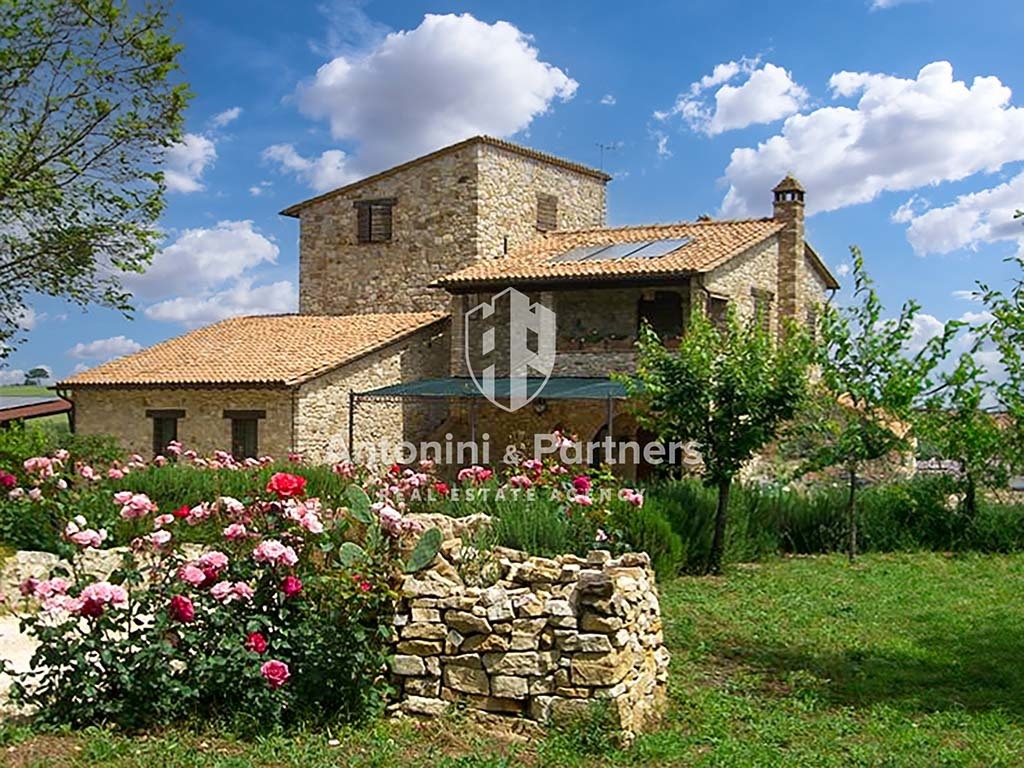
268, 350
712, 243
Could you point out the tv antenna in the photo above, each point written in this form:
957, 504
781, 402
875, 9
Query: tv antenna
605, 148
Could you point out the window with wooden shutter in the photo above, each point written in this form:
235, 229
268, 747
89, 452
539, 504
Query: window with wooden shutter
663, 311
547, 212
245, 432
373, 220
762, 306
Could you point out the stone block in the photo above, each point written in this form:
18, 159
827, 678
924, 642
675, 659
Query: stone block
509, 687
466, 680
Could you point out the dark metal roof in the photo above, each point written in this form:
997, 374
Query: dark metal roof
13, 408
555, 388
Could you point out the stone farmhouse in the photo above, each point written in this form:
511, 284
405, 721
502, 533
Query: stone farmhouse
388, 267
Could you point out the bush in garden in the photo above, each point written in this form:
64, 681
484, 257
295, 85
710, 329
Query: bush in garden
286, 618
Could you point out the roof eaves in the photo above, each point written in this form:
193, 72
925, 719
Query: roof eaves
819, 264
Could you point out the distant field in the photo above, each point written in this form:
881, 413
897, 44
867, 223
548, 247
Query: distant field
25, 390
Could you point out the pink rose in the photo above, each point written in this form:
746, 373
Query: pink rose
214, 560
192, 574
275, 672
256, 643
274, 552
581, 483
286, 485
235, 531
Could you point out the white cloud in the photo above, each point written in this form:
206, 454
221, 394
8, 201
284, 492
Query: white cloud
881, 5
974, 219
971, 295
901, 135
662, 148
926, 327
104, 349
328, 171
241, 299
415, 91
27, 318
202, 258
843, 269
226, 117
608, 100
185, 162
258, 189
768, 94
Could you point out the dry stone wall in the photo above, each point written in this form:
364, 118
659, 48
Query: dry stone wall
545, 641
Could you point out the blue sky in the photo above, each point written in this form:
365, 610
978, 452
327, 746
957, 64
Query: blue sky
904, 120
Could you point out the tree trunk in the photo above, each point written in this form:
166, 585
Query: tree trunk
851, 515
971, 498
721, 518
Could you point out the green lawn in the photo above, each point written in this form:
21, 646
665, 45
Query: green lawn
25, 390
901, 660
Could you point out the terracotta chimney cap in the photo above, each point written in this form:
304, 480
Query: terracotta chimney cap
789, 184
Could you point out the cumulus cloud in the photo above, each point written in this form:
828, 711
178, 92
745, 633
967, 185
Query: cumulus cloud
901, 134
204, 257
185, 162
329, 170
608, 100
415, 91
226, 117
256, 190
972, 220
769, 93
27, 318
243, 298
843, 269
104, 349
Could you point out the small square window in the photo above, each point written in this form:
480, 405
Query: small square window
374, 220
718, 311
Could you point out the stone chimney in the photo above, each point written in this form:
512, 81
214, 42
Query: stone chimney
788, 209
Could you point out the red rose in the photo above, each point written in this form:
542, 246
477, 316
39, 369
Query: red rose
181, 512
7, 480
581, 484
441, 488
181, 609
276, 673
286, 485
256, 643
291, 586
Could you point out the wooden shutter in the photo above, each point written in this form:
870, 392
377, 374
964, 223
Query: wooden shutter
547, 212
380, 222
718, 311
363, 223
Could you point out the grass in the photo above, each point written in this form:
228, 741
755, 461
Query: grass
58, 423
899, 660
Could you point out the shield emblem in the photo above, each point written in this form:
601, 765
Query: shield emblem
509, 345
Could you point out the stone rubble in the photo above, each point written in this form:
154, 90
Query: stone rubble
551, 636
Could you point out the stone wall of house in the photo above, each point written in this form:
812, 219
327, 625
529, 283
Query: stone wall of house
507, 199
757, 269
548, 639
323, 403
121, 412
449, 212
433, 233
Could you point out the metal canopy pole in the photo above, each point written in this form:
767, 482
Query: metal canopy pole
351, 424
611, 415
472, 422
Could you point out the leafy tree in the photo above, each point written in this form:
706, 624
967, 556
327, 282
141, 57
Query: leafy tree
35, 375
727, 388
1006, 332
87, 108
956, 426
869, 385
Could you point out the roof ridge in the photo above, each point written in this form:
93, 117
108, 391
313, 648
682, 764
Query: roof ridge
661, 225
294, 209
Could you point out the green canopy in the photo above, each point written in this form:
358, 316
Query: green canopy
554, 388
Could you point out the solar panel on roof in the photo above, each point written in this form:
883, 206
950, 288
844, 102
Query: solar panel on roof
660, 248
644, 249
617, 251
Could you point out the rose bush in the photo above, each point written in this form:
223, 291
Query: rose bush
282, 617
